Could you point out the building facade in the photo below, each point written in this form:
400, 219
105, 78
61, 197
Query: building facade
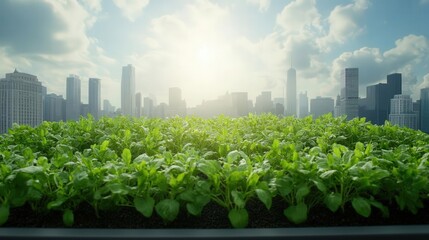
138, 111
303, 105
291, 92
21, 100
128, 90
402, 113
54, 108
349, 104
321, 105
176, 105
73, 103
263, 103
94, 97
424, 110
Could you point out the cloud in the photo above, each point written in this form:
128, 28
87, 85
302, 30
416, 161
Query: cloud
298, 16
343, 23
374, 64
423, 2
92, 5
131, 9
263, 5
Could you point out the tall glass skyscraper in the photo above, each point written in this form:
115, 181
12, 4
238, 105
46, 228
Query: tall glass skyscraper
350, 93
291, 92
402, 113
21, 100
73, 98
94, 97
424, 109
128, 90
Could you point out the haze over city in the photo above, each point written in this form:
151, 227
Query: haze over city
208, 48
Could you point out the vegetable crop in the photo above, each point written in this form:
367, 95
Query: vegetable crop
167, 166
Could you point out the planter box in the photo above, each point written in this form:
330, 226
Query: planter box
369, 232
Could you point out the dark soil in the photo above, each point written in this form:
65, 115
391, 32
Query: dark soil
214, 216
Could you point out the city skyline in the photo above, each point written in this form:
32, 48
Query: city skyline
207, 48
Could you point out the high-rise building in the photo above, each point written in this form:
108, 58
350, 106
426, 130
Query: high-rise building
138, 105
148, 107
21, 100
350, 93
240, 104
73, 107
263, 103
54, 108
128, 90
376, 106
424, 110
279, 106
303, 105
108, 109
402, 113
94, 97
291, 92
321, 105
176, 105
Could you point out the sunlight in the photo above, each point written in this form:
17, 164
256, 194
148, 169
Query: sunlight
205, 54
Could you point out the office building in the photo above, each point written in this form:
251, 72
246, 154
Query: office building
263, 103
94, 97
138, 112
349, 105
424, 110
240, 104
176, 105
321, 106
402, 113
291, 92
21, 100
303, 105
128, 90
148, 107
73, 108
54, 108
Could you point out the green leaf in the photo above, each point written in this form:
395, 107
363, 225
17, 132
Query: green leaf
31, 169
238, 218
361, 206
168, 209
144, 205
302, 192
126, 156
68, 218
333, 201
327, 174
194, 208
296, 214
265, 197
238, 198
320, 185
4, 214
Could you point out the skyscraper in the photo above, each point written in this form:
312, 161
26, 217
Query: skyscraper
94, 97
138, 105
21, 100
73, 98
303, 105
263, 103
176, 105
240, 104
424, 110
402, 113
321, 105
128, 90
148, 107
54, 108
350, 93
291, 92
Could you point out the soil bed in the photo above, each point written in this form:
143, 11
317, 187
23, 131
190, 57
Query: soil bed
213, 217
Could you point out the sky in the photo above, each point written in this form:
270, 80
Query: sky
208, 48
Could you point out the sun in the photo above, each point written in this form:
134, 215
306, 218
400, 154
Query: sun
205, 54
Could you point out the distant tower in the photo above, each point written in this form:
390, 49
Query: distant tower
73, 98
402, 113
303, 105
350, 93
176, 105
138, 112
21, 100
128, 90
94, 97
291, 92
424, 109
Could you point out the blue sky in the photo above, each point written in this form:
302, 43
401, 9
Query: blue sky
208, 48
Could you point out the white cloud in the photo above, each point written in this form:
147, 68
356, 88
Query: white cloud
131, 9
298, 16
344, 23
263, 5
92, 5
